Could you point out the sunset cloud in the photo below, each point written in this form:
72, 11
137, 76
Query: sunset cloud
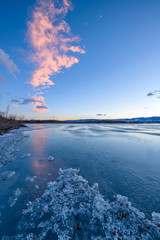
42, 107
52, 42
36, 101
8, 63
14, 105
39, 105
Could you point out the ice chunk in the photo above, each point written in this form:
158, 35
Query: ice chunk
26, 155
156, 218
50, 158
6, 175
36, 187
8, 144
17, 150
12, 200
31, 179
70, 207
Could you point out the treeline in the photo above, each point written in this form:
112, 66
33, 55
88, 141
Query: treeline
9, 122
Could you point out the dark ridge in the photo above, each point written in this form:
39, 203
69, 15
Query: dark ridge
132, 120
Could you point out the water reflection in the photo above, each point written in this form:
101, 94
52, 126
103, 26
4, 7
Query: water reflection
39, 155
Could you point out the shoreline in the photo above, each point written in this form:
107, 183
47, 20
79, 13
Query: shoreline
5, 127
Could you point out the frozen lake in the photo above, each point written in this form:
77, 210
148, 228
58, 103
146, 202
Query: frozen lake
122, 158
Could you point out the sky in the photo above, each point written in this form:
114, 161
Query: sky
80, 59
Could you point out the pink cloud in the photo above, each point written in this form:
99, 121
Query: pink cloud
77, 49
14, 105
51, 39
38, 104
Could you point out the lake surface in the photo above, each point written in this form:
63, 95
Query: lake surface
122, 158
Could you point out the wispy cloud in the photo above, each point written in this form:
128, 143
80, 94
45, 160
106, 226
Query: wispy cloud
36, 101
39, 105
2, 79
42, 107
14, 105
155, 92
52, 41
150, 94
28, 101
15, 100
8, 63
101, 114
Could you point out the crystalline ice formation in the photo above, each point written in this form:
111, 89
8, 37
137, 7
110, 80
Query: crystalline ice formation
26, 155
12, 200
50, 158
36, 187
6, 175
7, 146
31, 179
71, 209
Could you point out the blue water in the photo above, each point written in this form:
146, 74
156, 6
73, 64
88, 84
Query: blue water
122, 159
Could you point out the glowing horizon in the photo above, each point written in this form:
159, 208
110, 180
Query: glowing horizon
73, 60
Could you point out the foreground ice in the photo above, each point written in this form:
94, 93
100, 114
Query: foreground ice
31, 179
7, 145
36, 187
71, 209
50, 158
26, 155
12, 200
6, 175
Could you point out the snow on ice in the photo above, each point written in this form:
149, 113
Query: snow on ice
7, 146
50, 158
31, 179
71, 209
12, 200
6, 175
26, 155
36, 187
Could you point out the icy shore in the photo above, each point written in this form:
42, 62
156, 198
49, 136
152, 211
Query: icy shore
7, 145
72, 209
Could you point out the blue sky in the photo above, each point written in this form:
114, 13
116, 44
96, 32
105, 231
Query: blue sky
120, 66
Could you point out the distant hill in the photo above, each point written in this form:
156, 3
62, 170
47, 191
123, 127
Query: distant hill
123, 120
